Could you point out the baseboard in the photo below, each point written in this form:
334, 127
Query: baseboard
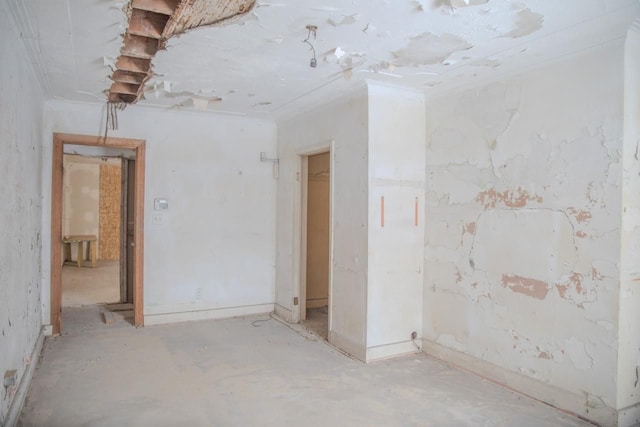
629, 416
344, 344
283, 313
571, 403
317, 303
206, 314
387, 351
17, 403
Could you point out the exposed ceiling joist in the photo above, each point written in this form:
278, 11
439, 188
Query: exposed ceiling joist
151, 24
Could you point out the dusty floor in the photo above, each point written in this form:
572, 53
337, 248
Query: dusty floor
85, 286
253, 372
317, 321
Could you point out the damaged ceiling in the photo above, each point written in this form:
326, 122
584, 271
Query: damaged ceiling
247, 57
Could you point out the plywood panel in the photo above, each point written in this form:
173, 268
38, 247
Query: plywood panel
109, 212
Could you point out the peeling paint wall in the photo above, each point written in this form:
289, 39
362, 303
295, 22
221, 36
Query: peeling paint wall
21, 208
343, 124
522, 235
211, 254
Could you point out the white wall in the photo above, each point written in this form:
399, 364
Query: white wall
20, 210
628, 403
342, 126
396, 172
523, 229
212, 253
80, 198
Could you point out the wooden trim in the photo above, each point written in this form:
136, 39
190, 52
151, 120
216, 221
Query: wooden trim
56, 236
138, 238
59, 139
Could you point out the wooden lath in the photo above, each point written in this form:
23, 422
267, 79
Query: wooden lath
151, 24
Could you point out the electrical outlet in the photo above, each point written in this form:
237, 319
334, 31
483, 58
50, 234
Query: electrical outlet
414, 335
295, 300
10, 378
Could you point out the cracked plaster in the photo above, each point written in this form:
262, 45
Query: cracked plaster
525, 212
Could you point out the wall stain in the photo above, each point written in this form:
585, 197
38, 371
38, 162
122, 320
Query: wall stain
580, 215
526, 286
517, 198
470, 227
544, 355
576, 291
575, 282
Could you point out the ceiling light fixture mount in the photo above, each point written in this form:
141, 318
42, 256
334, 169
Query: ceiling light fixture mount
312, 30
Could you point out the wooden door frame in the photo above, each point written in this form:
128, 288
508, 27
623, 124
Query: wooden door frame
138, 145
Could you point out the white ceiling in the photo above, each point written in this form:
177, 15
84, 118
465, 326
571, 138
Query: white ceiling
259, 65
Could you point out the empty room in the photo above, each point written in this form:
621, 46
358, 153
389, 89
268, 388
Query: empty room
362, 213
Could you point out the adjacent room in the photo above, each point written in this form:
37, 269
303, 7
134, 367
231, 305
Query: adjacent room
241, 212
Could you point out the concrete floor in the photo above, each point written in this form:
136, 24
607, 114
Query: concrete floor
86, 286
253, 372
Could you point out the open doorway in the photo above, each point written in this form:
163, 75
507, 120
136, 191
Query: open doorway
96, 286
90, 217
316, 200
96, 221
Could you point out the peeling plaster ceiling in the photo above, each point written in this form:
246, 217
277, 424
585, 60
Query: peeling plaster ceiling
257, 65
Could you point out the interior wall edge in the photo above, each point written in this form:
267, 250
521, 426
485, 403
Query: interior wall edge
25, 381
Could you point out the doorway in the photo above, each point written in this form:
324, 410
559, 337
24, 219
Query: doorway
126, 236
316, 224
91, 205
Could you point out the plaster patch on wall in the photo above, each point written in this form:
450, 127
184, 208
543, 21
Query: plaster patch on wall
343, 20
456, 4
526, 286
428, 48
535, 350
578, 289
535, 244
450, 341
579, 215
577, 353
527, 22
489, 113
467, 228
517, 198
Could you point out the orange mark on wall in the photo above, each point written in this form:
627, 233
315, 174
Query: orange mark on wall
470, 227
458, 277
575, 281
511, 198
581, 234
596, 275
580, 215
526, 286
544, 355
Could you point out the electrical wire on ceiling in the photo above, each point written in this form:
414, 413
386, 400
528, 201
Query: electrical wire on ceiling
312, 31
111, 120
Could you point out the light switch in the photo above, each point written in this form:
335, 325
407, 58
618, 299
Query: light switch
161, 204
